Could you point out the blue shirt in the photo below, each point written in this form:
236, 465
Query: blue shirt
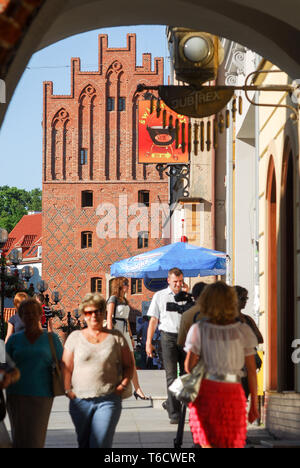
17, 323
34, 361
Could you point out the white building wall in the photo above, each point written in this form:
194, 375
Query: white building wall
245, 219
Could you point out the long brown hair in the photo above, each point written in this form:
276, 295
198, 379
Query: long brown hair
30, 305
219, 303
117, 288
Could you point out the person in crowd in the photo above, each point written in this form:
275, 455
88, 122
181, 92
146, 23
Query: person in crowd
98, 367
9, 375
168, 322
142, 338
47, 314
191, 315
118, 309
15, 323
242, 295
218, 415
29, 401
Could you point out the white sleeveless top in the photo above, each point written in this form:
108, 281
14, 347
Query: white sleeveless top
223, 347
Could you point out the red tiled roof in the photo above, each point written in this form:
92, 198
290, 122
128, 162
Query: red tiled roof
25, 234
28, 240
9, 243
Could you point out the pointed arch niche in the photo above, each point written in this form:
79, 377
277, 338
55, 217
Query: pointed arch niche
59, 130
272, 277
86, 130
287, 275
113, 81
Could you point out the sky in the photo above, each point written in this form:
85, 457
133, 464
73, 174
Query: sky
21, 132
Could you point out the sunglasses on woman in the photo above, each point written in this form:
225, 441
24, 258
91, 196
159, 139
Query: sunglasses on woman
89, 313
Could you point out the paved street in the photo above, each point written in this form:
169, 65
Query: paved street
143, 424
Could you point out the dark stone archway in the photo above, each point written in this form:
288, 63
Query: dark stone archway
270, 29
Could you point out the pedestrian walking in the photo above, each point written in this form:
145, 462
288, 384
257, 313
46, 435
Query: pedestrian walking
9, 374
218, 415
98, 368
29, 401
242, 295
164, 313
47, 313
191, 315
15, 323
142, 338
118, 309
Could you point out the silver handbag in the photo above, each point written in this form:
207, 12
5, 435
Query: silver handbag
186, 387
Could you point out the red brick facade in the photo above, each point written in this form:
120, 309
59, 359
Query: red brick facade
89, 146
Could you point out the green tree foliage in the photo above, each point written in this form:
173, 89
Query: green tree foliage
15, 203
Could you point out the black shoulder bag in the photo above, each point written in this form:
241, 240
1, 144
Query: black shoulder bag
2, 406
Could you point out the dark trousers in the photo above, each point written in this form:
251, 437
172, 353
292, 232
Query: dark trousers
172, 354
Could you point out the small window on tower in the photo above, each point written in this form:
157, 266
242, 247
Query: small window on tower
110, 104
143, 238
86, 198
83, 156
86, 239
144, 197
121, 104
96, 285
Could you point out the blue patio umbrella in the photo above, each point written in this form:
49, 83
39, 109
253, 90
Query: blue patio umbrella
191, 259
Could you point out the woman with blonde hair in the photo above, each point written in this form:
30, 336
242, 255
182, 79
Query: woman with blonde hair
98, 368
218, 415
15, 323
118, 309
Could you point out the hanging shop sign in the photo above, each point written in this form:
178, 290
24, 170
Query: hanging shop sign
162, 134
197, 103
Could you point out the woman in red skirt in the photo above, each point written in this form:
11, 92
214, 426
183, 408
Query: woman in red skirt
218, 415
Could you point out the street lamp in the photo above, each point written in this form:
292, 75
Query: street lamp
27, 272
42, 286
15, 257
56, 297
3, 240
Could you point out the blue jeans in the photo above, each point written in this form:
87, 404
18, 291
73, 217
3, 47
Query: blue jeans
95, 420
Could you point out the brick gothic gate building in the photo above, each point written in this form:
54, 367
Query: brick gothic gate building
90, 159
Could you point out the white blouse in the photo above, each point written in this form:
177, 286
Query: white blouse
223, 347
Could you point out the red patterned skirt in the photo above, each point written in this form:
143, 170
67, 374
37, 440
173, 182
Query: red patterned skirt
218, 416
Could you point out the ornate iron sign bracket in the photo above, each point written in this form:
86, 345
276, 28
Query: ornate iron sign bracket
181, 172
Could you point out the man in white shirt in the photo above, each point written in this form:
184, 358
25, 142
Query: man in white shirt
168, 322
